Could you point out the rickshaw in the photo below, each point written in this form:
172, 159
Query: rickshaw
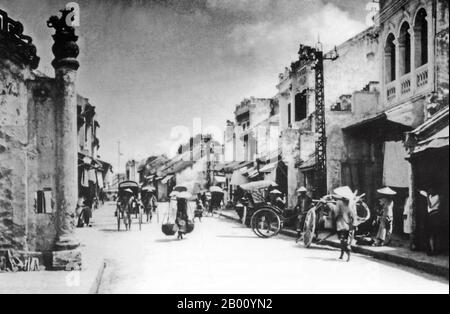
325, 209
147, 193
265, 219
123, 212
217, 195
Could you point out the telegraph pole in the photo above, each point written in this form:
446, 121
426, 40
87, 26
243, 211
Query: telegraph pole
321, 130
315, 57
118, 162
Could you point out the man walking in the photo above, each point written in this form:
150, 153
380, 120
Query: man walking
304, 203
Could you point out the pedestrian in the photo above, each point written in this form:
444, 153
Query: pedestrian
408, 217
154, 203
199, 208
304, 203
385, 227
130, 205
346, 218
81, 213
208, 204
433, 221
148, 206
182, 217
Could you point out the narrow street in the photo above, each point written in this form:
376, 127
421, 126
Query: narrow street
221, 256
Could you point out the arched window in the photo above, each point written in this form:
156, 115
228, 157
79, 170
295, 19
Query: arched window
421, 38
389, 58
404, 43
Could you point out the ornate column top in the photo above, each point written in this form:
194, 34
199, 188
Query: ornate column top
19, 47
65, 47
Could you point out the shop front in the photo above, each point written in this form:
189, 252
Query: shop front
429, 152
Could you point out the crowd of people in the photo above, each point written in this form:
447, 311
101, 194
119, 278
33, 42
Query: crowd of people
345, 215
381, 225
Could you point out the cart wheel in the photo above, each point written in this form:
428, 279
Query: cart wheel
265, 223
309, 228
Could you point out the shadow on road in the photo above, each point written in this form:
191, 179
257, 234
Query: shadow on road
166, 240
317, 248
324, 259
112, 230
236, 237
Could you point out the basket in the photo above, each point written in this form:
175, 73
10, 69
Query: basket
169, 229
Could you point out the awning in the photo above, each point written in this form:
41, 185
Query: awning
249, 171
433, 134
253, 174
238, 178
391, 122
308, 164
166, 179
439, 140
220, 179
242, 165
272, 156
269, 167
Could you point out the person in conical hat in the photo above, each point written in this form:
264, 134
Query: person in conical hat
302, 190
387, 191
304, 203
344, 192
386, 217
345, 219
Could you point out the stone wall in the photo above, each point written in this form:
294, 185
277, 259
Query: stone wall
357, 66
336, 149
13, 154
41, 169
27, 158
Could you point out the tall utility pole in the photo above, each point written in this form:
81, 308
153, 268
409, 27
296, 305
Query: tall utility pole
321, 130
118, 162
321, 142
207, 140
315, 57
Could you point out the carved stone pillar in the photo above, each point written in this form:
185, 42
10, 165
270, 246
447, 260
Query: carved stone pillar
66, 51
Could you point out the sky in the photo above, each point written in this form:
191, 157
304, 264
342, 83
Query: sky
152, 67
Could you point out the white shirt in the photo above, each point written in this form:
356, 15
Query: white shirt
434, 202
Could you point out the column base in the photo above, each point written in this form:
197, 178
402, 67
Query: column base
68, 260
67, 244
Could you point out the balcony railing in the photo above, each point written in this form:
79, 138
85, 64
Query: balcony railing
405, 85
422, 76
391, 91
408, 85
